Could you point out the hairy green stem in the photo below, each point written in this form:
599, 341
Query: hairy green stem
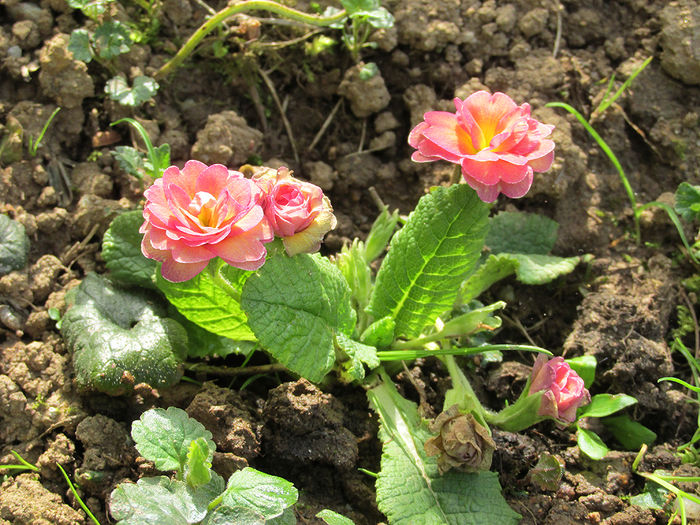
248, 5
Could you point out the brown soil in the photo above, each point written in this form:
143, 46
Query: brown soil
619, 308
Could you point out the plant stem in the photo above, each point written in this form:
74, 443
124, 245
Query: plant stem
235, 371
463, 392
227, 12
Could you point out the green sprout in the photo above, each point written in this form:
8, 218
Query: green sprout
131, 160
34, 144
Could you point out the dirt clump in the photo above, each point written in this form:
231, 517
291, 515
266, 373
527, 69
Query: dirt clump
24, 501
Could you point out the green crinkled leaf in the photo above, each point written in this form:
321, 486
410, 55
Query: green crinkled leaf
144, 89
265, 494
518, 232
296, 306
211, 303
493, 269
380, 333
359, 354
542, 269
688, 201
410, 489
164, 437
121, 338
429, 258
79, 45
121, 250
333, 518
203, 343
198, 466
14, 245
111, 39
528, 269
160, 500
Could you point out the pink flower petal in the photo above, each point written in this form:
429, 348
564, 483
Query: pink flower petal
176, 272
212, 179
487, 110
516, 190
492, 171
444, 129
543, 163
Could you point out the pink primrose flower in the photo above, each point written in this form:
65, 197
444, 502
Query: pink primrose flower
563, 388
298, 211
201, 212
497, 143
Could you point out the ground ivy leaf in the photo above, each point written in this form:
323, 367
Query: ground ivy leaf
157, 500
111, 39
295, 306
164, 437
410, 489
518, 232
79, 45
121, 250
211, 303
265, 494
429, 258
14, 245
121, 338
143, 89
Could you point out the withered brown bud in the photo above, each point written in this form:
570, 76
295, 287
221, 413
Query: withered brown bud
461, 442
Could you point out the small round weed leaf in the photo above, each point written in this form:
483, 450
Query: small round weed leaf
164, 437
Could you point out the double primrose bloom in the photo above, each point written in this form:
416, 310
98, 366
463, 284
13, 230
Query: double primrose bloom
495, 142
201, 212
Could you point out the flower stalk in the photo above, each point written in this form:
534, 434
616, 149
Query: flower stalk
234, 9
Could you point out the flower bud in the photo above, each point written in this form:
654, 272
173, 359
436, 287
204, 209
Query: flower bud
461, 442
563, 388
298, 211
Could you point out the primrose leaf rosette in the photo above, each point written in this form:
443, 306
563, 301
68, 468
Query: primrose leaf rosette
120, 339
